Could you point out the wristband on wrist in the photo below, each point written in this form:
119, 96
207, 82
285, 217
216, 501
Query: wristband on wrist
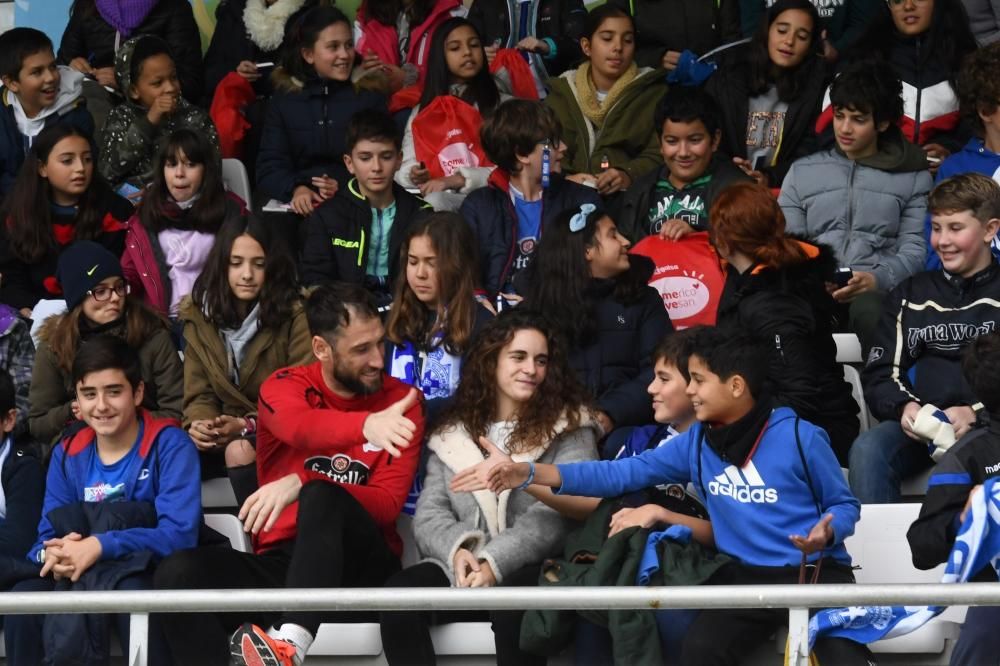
531, 476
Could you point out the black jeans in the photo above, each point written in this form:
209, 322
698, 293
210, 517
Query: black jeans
337, 545
406, 636
727, 636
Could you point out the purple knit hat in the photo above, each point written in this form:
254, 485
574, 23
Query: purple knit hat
125, 15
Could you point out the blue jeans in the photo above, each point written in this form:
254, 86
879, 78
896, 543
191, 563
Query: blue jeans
880, 459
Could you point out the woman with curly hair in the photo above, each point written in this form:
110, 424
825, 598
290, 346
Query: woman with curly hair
519, 396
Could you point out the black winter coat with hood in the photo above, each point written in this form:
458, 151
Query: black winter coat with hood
791, 313
304, 132
89, 36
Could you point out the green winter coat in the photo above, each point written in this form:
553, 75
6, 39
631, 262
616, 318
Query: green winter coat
131, 141
628, 136
208, 390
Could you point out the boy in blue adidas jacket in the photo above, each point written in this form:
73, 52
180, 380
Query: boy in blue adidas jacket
767, 478
142, 471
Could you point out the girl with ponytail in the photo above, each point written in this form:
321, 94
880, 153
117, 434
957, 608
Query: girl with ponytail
776, 290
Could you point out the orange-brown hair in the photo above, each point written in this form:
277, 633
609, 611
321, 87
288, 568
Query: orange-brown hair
746, 218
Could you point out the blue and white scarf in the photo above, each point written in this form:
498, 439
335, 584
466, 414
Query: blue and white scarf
977, 544
439, 373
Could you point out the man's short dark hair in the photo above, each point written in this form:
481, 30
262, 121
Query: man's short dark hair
686, 105
675, 349
869, 86
16, 45
514, 128
981, 368
107, 352
370, 125
330, 306
728, 352
7, 394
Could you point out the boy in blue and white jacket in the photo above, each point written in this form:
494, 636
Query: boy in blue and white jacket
125, 468
767, 478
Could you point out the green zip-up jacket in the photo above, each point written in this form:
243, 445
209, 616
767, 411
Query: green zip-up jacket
338, 235
628, 136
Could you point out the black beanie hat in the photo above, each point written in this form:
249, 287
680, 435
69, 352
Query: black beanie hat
82, 266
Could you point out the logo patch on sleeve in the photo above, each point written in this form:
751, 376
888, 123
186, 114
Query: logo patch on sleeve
339, 468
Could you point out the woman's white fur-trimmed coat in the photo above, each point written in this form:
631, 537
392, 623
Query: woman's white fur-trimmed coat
510, 530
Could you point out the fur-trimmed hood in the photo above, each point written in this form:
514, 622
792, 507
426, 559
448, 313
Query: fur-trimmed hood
266, 25
457, 450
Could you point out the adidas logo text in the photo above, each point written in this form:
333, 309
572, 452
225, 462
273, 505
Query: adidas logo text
747, 487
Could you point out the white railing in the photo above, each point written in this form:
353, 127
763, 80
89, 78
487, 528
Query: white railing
796, 598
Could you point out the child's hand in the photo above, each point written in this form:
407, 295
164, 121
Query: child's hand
910, 412
419, 174
819, 536
455, 181
675, 229
227, 428
370, 60
474, 478
304, 199
105, 76
670, 60
203, 433
747, 168
962, 419
645, 516
248, 70
81, 554
613, 180
484, 577
466, 566
534, 45
507, 476
859, 283
605, 421
325, 185
395, 76
162, 107
491, 52
74, 407
936, 153
81, 65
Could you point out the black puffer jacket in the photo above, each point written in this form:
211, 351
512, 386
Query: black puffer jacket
615, 364
730, 87
22, 480
490, 212
676, 25
304, 133
90, 36
791, 312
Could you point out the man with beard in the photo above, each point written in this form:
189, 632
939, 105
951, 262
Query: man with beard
337, 448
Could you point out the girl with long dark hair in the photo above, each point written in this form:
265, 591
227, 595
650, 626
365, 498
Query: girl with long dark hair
598, 296
770, 92
171, 234
457, 66
243, 321
57, 199
776, 290
519, 395
435, 313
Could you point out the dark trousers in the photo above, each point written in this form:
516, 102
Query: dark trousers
23, 633
337, 545
406, 636
979, 642
726, 636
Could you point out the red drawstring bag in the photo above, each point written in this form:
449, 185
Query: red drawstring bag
688, 277
407, 98
522, 79
231, 95
446, 136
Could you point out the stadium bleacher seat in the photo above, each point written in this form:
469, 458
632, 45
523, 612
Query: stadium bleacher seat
848, 348
852, 377
235, 179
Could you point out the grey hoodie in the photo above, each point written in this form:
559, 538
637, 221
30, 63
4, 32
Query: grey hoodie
130, 140
870, 212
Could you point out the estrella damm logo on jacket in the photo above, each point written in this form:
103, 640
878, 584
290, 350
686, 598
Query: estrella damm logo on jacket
339, 468
745, 486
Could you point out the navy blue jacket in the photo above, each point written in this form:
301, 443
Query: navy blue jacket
14, 145
490, 212
23, 481
304, 135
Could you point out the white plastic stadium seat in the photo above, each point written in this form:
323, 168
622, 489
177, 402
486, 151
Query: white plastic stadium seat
235, 179
217, 494
230, 527
848, 348
852, 377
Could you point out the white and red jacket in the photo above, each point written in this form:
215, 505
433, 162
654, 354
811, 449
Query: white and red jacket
306, 429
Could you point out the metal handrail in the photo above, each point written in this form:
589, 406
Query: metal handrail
797, 598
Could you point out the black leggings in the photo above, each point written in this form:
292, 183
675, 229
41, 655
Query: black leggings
726, 636
337, 545
406, 636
